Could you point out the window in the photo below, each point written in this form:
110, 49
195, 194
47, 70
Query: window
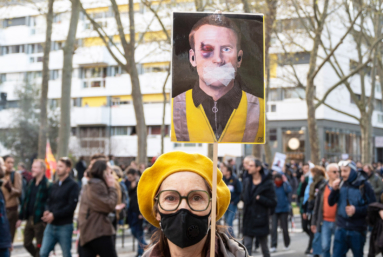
15, 22
380, 118
292, 24
154, 130
3, 77
16, 76
273, 134
273, 108
275, 94
116, 101
294, 58
57, 45
77, 102
157, 68
55, 74
39, 59
293, 93
120, 131
186, 145
57, 18
3, 50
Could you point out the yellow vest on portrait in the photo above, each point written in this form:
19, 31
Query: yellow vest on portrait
190, 123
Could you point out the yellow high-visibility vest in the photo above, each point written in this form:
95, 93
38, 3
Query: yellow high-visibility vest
190, 123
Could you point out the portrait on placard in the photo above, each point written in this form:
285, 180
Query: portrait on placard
218, 78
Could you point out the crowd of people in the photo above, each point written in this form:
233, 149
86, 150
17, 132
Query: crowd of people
107, 197
338, 204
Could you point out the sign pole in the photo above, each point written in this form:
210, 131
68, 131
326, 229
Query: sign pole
214, 200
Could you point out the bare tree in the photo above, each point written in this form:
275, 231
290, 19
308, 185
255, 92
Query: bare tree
44, 86
65, 126
314, 31
128, 49
164, 110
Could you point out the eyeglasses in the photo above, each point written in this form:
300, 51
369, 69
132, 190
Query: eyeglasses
170, 200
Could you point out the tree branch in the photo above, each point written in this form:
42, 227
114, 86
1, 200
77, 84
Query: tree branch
336, 47
147, 4
342, 112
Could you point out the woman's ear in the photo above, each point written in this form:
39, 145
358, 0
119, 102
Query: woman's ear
158, 217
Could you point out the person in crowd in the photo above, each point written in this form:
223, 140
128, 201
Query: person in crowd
33, 207
135, 218
323, 163
319, 180
121, 207
245, 173
98, 199
303, 195
133, 165
5, 232
323, 215
353, 196
61, 205
379, 169
374, 179
293, 181
231, 163
174, 194
142, 168
12, 191
235, 187
375, 219
359, 166
281, 213
22, 169
259, 198
81, 168
299, 171
111, 160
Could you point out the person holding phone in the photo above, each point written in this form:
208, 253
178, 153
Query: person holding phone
352, 195
99, 198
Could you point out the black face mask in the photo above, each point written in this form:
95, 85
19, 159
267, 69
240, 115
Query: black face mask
184, 228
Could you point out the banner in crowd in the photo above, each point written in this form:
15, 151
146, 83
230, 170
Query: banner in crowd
218, 78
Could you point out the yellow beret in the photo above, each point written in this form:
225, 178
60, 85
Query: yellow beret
173, 162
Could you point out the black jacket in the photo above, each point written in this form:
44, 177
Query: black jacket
256, 212
62, 201
317, 214
80, 167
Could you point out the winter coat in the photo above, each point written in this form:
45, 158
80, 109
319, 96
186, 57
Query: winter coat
377, 184
97, 201
376, 238
317, 214
256, 212
5, 232
300, 193
351, 191
41, 199
225, 247
235, 187
282, 193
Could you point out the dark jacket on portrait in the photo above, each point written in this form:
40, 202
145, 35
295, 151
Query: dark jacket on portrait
256, 212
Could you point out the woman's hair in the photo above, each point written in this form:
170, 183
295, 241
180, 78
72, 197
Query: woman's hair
160, 238
118, 171
98, 169
318, 171
369, 166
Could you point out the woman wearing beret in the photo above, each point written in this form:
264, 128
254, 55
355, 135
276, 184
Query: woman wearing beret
175, 196
99, 198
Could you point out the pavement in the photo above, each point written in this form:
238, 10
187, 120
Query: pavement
297, 247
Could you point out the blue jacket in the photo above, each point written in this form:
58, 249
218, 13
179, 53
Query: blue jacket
283, 202
5, 233
235, 187
351, 190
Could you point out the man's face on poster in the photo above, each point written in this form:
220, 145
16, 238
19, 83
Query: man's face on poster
215, 47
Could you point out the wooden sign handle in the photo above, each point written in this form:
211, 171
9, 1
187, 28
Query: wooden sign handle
214, 200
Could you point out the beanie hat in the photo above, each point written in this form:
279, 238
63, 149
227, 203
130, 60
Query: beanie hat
170, 163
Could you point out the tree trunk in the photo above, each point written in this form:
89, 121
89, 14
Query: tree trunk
44, 87
136, 93
66, 84
257, 151
269, 23
365, 129
310, 89
164, 112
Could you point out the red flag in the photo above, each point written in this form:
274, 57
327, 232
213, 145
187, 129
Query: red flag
50, 161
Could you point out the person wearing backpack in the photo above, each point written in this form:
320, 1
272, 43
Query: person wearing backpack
352, 195
12, 190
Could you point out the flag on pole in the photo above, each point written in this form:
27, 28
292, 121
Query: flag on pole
50, 161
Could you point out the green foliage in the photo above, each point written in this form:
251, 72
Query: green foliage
22, 135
